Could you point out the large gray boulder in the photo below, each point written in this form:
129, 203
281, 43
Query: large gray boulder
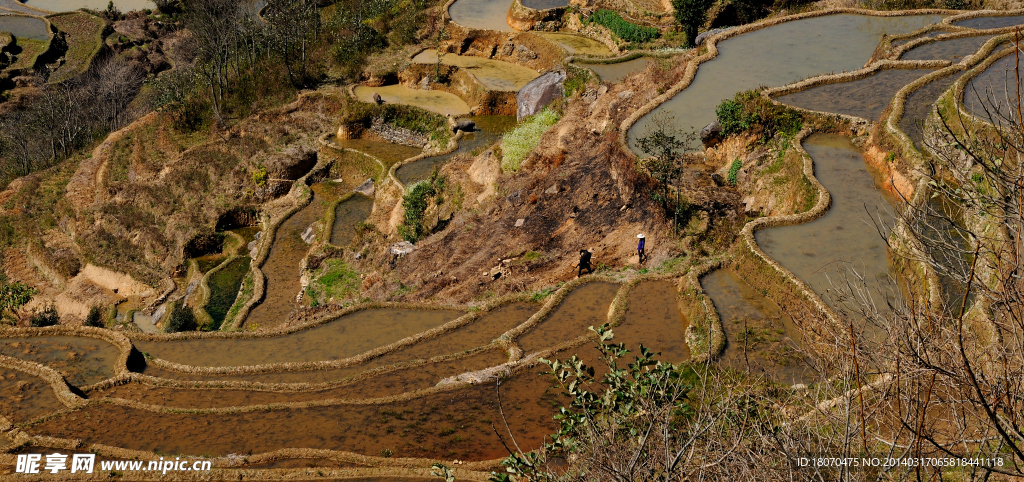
711, 134
539, 93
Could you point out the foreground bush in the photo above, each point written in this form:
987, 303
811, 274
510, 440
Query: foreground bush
749, 111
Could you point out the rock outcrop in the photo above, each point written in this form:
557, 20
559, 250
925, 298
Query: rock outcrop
539, 93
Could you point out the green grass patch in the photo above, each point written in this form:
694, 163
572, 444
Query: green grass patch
519, 142
84, 36
337, 281
30, 49
622, 28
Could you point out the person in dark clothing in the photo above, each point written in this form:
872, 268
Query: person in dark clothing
584, 264
640, 247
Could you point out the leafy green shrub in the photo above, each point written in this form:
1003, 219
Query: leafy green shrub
47, 317
734, 170
95, 317
182, 319
623, 29
576, 80
259, 176
14, 296
749, 111
415, 204
519, 142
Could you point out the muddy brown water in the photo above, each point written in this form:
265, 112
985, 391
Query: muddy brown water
495, 75
614, 73
933, 33
919, 106
653, 319
437, 101
347, 215
545, 4
982, 23
25, 397
777, 56
489, 130
341, 338
576, 44
24, 27
953, 50
448, 425
865, 98
481, 14
844, 238
382, 385
478, 333
760, 338
586, 306
99, 5
387, 152
283, 264
990, 95
82, 361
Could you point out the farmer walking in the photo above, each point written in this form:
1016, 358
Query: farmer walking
640, 247
584, 263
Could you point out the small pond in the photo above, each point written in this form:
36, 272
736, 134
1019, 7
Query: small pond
481, 14
437, 101
24, 27
620, 70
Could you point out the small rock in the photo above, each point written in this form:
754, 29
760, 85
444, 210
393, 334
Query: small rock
402, 248
425, 83
625, 94
253, 249
507, 49
464, 125
602, 90
520, 222
358, 256
308, 235
552, 190
366, 188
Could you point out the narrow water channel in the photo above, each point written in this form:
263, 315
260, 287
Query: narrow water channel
777, 56
489, 130
347, 215
825, 252
283, 264
919, 106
